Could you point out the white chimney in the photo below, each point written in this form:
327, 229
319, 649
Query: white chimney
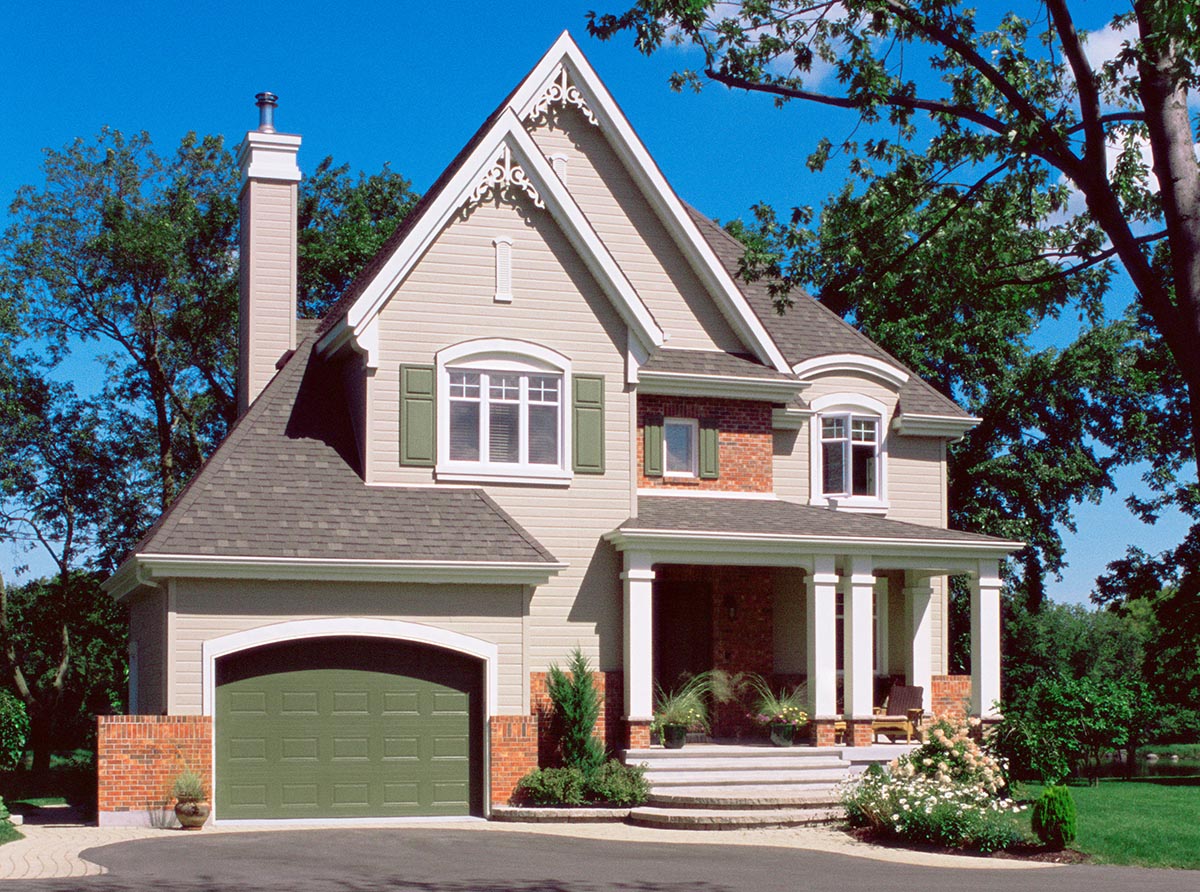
267, 277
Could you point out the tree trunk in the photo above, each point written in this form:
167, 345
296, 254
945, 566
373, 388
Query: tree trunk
42, 724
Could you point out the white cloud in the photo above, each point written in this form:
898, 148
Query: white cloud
1104, 45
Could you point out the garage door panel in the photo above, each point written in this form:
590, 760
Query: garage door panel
296, 738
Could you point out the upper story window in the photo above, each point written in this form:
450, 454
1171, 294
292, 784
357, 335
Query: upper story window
849, 452
849, 455
502, 412
680, 452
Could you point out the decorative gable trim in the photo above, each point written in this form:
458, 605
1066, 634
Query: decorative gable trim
851, 362
560, 91
504, 174
509, 147
566, 55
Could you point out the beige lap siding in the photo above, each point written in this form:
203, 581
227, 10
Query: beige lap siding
449, 299
148, 631
632, 232
210, 608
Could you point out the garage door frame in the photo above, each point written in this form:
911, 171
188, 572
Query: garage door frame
398, 631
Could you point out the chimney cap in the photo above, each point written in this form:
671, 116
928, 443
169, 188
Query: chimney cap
266, 102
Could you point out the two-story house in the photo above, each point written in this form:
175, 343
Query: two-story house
547, 414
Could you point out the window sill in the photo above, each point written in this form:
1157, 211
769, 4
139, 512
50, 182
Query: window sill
518, 476
853, 505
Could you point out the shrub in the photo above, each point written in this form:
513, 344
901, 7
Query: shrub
688, 704
611, 784
188, 786
552, 786
14, 730
1053, 817
576, 709
617, 784
946, 792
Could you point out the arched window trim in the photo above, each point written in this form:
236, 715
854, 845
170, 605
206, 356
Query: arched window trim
848, 404
503, 355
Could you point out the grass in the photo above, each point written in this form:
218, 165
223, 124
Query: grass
1148, 823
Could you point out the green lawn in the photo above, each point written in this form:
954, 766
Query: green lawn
1149, 824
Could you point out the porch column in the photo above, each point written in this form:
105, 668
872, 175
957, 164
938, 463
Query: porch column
985, 640
859, 681
822, 641
639, 647
918, 596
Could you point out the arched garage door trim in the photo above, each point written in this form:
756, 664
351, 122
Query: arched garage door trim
396, 630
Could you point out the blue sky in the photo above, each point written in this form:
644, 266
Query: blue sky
408, 83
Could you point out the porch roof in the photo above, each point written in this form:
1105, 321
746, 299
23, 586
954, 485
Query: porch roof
724, 530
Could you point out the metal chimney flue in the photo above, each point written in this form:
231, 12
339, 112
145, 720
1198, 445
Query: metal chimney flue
266, 103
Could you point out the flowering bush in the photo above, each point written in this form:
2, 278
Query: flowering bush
946, 792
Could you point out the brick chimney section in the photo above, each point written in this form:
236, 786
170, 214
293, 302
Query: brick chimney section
267, 275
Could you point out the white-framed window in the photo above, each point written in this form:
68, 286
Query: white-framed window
849, 452
502, 412
681, 447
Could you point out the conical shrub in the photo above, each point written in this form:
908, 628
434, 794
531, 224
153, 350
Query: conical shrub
1054, 817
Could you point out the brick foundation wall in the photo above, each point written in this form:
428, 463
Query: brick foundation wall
951, 695
514, 753
745, 442
138, 758
610, 726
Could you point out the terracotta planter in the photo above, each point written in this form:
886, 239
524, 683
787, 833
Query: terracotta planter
191, 814
783, 734
674, 736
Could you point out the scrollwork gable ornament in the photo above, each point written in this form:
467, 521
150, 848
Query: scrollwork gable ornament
505, 173
561, 91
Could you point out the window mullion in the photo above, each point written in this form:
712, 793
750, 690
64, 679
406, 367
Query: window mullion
523, 420
485, 418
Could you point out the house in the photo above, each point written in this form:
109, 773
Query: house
548, 413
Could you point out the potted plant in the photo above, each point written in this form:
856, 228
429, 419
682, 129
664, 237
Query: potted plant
781, 713
686, 708
191, 801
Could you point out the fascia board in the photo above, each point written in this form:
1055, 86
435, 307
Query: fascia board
728, 387
255, 567
642, 167
949, 426
733, 543
566, 212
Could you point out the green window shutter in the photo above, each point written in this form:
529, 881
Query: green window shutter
652, 450
418, 412
709, 448
587, 424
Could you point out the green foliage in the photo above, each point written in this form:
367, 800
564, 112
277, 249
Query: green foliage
688, 704
14, 730
188, 786
783, 708
1053, 817
576, 708
611, 784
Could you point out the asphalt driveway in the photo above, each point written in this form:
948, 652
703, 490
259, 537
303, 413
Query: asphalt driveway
451, 860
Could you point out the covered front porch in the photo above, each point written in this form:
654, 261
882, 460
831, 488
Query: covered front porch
846, 604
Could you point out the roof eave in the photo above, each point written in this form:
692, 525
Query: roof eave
949, 426
725, 386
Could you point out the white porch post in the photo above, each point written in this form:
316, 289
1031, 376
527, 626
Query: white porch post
918, 596
858, 639
985, 639
639, 636
822, 637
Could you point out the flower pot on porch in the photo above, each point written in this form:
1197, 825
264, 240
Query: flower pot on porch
783, 734
674, 736
192, 814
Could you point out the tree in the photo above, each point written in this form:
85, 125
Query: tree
1002, 97
138, 250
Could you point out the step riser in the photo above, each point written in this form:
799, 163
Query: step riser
705, 820
741, 765
733, 778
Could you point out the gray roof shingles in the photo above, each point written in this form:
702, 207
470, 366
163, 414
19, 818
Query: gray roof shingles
809, 329
709, 362
775, 517
284, 484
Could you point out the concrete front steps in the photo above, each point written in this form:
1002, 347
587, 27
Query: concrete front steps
733, 787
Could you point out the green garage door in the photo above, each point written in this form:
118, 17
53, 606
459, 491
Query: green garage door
347, 728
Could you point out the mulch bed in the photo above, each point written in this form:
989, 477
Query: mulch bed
1022, 852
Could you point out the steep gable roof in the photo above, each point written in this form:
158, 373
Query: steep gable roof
809, 329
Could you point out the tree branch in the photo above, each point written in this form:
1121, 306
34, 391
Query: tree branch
1085, 81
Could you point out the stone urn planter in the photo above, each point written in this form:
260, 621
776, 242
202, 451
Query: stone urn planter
674, 736
783, 734
192, 813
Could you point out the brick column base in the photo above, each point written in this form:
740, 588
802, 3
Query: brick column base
824, 733
138, 758
637, 734
859, 733
514, 753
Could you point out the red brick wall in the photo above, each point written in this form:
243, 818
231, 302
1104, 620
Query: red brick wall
745, 442
609, 726
139, 756
743, 642
514, 753
951, 695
